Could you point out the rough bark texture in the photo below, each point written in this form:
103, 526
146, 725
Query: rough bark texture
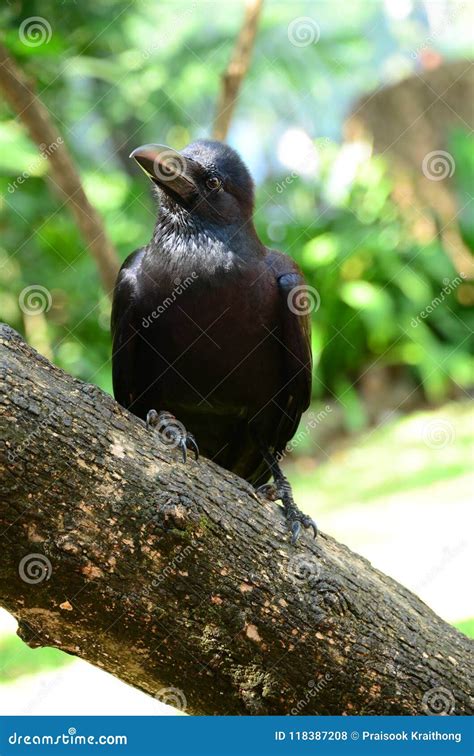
36, 117
174, 576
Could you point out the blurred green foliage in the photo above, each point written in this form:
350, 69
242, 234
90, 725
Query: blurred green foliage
466, 627
19, 659
116, 75
385, 299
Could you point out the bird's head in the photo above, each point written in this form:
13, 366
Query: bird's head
207, 179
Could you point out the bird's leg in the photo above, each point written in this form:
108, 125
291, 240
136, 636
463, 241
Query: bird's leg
280, 489
172, 432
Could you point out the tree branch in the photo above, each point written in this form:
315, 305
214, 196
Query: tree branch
173, 575
239, 64
37, 119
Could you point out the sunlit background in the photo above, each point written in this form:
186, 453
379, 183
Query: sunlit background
356, 122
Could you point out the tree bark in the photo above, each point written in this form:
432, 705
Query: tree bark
32, 112
177, 579
237, 69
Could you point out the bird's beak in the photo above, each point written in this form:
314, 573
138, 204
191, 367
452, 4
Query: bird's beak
167, 168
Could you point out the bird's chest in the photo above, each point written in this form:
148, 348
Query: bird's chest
216, 344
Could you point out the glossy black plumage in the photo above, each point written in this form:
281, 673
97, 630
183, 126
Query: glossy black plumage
204, 323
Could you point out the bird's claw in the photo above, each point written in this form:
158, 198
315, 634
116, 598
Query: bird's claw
294, 517
295, 520
172, 432
295, 531
187, 441
152, 419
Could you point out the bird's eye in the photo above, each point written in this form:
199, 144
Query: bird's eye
213, 182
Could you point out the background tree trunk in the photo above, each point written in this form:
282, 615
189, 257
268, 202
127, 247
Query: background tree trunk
34, 114
412, 123
179, 580
239, 64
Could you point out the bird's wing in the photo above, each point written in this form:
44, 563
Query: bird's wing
295, 339
124, 326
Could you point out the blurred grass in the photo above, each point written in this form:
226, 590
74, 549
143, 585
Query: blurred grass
397, 465
403, 456
466, 627
18, 659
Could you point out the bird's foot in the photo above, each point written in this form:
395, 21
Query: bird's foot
281, 490
269, 491
295, 518
172, 432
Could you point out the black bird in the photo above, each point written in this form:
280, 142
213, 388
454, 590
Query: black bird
208, 324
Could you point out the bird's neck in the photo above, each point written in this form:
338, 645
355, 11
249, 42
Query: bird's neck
186, 242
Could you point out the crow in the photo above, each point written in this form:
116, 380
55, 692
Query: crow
211, 330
